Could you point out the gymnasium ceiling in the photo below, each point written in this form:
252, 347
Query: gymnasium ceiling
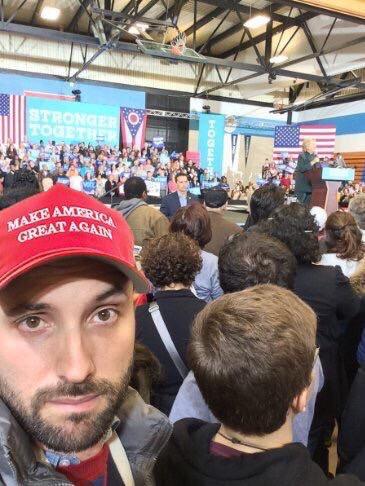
323, 40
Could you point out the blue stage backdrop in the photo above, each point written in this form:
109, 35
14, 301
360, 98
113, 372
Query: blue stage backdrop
211, 137
69, 122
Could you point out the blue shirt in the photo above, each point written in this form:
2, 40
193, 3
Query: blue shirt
190, 403
183, 200
206, 283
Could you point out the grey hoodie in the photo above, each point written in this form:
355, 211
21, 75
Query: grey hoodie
128, 206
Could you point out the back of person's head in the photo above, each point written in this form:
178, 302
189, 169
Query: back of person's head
171, 259
252, 354
215, 198
254, 258
295, 226
26, 180
344, 202
357, 209
134, 187
343, 236
264, 201
193, 221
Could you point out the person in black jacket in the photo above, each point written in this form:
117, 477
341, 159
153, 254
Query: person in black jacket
351, 441
252, 353
331, 296
171, 263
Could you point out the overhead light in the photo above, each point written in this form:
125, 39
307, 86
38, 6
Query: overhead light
278, 59
137, 28
50, 13
257, 21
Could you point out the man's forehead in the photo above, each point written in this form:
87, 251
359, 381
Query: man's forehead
58, 272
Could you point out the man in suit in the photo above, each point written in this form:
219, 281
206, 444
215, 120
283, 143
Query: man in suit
178, 199
215, 201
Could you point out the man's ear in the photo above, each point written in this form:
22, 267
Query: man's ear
299, 404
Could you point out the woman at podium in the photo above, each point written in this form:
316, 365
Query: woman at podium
303, 187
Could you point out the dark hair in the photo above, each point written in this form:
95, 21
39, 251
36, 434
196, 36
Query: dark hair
254, 258
172, 258
264, 201
180, 174
134, 187
252, 353
26, 180
344, 202
215, 197
294, 225
344, 237
193, 221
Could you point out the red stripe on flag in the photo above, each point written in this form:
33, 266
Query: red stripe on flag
12, 127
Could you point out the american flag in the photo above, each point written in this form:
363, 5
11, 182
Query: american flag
289, 139
49, 96
12, 118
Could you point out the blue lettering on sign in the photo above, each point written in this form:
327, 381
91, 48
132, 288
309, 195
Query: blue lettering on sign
70, 122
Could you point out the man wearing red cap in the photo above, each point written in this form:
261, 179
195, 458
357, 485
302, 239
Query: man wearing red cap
67, 415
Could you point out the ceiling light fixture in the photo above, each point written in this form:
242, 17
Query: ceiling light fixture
50, 13
278, 59
257, 21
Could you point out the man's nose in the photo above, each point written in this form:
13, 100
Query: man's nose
75, 362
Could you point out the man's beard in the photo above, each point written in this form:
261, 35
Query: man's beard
92, 426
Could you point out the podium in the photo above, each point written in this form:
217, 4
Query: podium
325, 185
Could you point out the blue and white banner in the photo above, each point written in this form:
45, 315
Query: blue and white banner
211, 137
70, 122
247, 147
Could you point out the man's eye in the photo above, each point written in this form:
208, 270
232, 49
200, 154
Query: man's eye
31, 324
106, 316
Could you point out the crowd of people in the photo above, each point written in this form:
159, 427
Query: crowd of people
96, 170
246, 345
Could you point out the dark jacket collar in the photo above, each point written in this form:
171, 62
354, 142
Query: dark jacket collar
189, 461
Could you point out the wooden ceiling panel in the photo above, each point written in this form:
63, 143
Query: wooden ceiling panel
350, 7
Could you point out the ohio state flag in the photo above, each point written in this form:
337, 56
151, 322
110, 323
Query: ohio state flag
133, 126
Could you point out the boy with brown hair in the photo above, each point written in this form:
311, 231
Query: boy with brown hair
252, 353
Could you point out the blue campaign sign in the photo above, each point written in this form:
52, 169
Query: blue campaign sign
70, 122
211, 137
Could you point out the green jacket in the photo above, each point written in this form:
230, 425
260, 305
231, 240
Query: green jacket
304, 165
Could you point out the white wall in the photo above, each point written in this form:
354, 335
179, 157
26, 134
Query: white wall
349, 119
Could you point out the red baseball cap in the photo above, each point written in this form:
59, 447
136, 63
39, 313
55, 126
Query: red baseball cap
62, 223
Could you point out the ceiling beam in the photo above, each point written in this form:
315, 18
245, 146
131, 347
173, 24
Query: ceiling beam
334, 101
320, 10
55, 35
78, 14
204, 20
313, 47
248, 11
262, 37
36, 11
147, 7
